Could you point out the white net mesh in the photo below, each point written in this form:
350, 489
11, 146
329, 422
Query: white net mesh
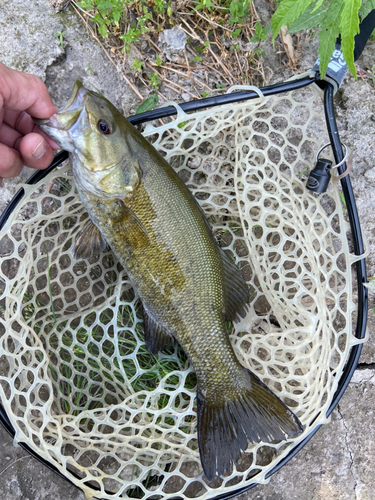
77, 381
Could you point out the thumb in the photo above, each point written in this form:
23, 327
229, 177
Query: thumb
23, 92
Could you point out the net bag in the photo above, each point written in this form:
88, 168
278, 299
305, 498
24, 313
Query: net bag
77, 384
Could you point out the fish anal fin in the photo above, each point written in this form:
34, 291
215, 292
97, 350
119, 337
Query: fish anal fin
237, 293
156, 337
252, 413
89, 242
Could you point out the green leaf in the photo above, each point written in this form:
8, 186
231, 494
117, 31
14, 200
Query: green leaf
287, 12
104, 5
103, 30
148, 104
308, 20
116, 16
328, 35
366, 7
317, 5
349, 28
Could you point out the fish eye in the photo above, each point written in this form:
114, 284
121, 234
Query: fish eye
104, 127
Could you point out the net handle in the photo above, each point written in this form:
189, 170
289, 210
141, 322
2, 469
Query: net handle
337, 67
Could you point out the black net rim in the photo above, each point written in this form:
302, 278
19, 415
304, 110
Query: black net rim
353, 220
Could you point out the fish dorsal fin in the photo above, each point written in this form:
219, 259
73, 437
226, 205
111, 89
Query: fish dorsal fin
135, 231
156, 337
89, 242
122, 179
236, 290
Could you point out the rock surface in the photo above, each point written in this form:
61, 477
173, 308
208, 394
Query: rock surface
338, 462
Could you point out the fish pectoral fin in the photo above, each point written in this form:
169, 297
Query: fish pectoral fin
156, 337
237, 293
89, 242
136, 231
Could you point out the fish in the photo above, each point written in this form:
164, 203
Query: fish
189, 287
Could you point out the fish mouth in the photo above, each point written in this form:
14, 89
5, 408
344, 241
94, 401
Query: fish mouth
59, 125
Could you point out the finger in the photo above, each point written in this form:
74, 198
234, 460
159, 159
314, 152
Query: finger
35, 151
10, 162
23, 92
9, 136
22, 122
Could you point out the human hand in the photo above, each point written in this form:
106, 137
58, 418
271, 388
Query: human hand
22, 142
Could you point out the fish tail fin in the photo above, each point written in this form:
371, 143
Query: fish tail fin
252, 412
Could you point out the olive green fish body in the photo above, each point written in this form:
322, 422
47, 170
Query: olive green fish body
178, 271
188, 286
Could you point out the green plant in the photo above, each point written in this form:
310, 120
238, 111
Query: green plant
333, 17
161, 7
109, 15
137, 65
60, 37
133, 20
130, 37
260, 33
205, 4
203, 48
258, 51
106, 13
342, 197
239, 9
303, 172
154, 81
148, 104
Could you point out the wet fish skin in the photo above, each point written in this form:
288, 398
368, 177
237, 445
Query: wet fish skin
188, 286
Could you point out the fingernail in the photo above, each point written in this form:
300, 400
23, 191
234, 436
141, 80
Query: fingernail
39, 150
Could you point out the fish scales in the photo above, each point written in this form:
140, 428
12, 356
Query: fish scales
162, 196
189, 288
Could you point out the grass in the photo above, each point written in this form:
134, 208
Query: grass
91, 368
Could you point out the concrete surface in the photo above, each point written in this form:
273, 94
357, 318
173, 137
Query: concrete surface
338, 462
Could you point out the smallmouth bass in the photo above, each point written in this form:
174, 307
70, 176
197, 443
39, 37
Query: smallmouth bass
189, 288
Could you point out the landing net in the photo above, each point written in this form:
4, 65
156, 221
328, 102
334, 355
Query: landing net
76, 379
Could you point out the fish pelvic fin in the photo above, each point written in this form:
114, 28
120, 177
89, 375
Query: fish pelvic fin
253, 413
89, 242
